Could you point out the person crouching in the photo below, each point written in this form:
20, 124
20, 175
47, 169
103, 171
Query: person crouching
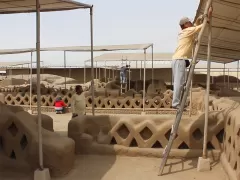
59, 105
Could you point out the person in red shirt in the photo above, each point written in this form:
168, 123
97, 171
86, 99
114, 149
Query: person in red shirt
59, 105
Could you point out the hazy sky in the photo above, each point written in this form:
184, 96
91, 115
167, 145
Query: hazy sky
115, 22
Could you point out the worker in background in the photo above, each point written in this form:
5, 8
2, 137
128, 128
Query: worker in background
123, 74
78, 103
183, 53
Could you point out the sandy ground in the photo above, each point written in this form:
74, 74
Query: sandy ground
95, 167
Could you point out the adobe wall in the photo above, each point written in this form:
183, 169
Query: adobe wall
230, 158
19, 142
148, 135
110, 103
144, 135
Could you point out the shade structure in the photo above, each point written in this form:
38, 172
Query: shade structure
121, 47
99, 48
10, 64
225, 31
132, 57
16, 51
26, 6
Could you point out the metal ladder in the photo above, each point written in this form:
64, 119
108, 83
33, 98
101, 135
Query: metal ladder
184, 95
123, 87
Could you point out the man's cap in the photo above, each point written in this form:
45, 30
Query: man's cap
184, 20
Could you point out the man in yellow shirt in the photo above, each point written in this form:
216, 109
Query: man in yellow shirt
183, 53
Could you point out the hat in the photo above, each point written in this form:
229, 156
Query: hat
184, 20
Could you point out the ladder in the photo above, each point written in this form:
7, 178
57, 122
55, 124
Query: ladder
184, 95
123, 87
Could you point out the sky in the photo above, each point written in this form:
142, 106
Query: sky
115, 22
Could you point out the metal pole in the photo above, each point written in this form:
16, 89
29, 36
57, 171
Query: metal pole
207, 90
109, 73
224, 75
65, 72
237, 75
38, 85
92, 70
144, 81
129, 76
31, 83
84, 73
228, 80
152, 69
105, 72
22, 71
96, 71
99, 76
141, 71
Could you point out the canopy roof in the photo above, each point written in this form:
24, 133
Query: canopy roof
26, 6
225, 31
132, 57
16, 51
100, 48
80, 48
18, 63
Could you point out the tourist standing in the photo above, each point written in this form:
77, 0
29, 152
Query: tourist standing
78, 103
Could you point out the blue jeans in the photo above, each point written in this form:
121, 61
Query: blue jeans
122, 77
179, 73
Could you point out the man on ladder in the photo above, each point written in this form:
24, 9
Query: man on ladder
179, 63
123, 77
183, 53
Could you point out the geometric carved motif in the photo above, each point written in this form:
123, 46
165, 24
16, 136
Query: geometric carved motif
153, 134
100, 102
13, 142
229, 135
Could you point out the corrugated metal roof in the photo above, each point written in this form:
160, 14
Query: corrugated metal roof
225, 31
26, 6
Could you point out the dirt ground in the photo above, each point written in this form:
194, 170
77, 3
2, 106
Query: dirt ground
95, 167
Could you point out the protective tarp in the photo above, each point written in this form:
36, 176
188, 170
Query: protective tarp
99, 48
26, 6
132, 57
225, 31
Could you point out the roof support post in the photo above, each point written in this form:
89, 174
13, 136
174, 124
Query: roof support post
237, 76
40, 148
65, 70
207, 90
92, 70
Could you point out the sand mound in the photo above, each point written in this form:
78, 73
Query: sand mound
13, 81
46, 79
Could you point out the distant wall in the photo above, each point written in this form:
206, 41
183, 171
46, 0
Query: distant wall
78, 74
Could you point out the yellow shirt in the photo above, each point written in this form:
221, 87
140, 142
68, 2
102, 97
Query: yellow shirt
78, 104
186, 42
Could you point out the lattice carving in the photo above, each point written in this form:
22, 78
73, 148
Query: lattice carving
230, 134
152, 132
100, 101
